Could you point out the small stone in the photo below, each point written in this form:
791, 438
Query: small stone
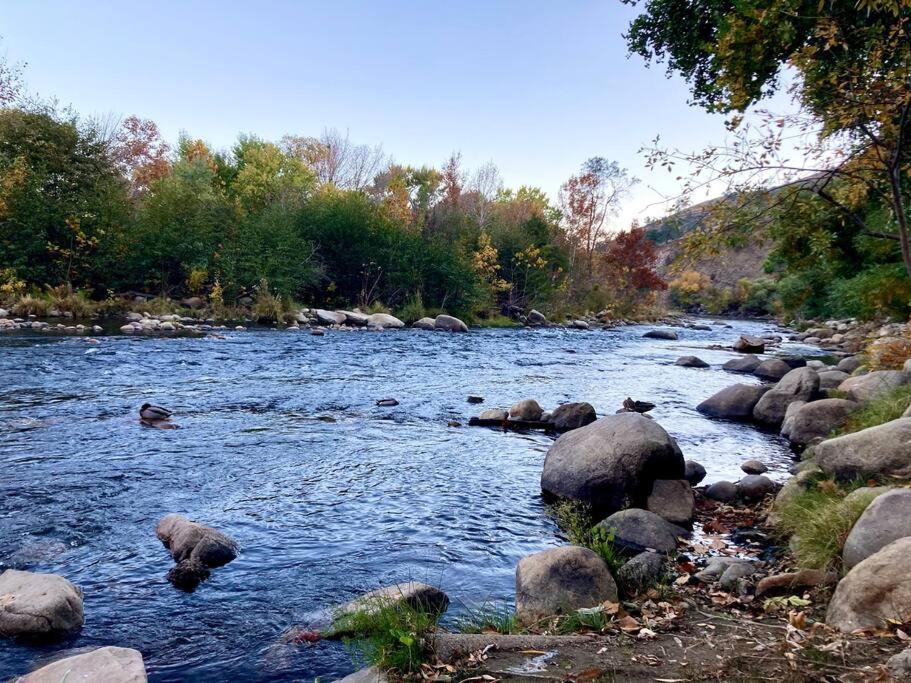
723, 491
754, 467
641, 572
693, 472
472, 398
691, 362
755, 486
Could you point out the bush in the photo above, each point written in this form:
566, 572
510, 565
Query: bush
578, 523
879, 291
31, 305
64, 298
266, 305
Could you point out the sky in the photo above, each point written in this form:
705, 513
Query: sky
535, 87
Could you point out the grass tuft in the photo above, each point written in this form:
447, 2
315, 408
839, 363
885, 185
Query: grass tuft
884, 408
577, 521
489, 618
31, 305
391, 636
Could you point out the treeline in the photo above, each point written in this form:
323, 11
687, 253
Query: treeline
110, 207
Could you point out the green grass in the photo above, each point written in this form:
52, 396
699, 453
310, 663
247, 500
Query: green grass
497, 617
498, 321
392, 637
885, 408
577, 522
819, 520
583, 620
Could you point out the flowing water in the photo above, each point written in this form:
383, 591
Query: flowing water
282, 447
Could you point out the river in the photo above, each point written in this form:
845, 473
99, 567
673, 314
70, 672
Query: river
282, 447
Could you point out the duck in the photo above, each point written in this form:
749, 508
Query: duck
631, 406
151, 413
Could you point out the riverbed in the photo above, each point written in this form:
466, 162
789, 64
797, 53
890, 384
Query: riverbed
282, 447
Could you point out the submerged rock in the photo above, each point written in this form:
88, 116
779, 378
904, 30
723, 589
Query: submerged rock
611, 463
660, 334
102, 665
36, 605
195, 548
560, 581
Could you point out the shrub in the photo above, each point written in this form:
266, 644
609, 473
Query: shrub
888, 353
65, 298
578, 523
266, 305
880, 290
391, 636
884, 408
31, 305
413, 309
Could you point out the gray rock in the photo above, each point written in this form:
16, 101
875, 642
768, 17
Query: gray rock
773, 369
611, 463
755, 486
660, 334
104, 665
715, 567
641, 530
560, 581
185, 539
368, 674
494, 414
672, 500
863, 388
580, 325
193, 302
693, 472
849, 364
641, 572
384, 321
536, 318
899, 665
747, 363
354, 318
38, 605
874, 592
801, 384
787, 425
330, 317
832, 379
449, 324
691, 362
572, 416
884, 450
527, 409
749, 344
907, 412
735, 402
419, 596
816, 420
423, 324
474, 398
754, 467
886, 519
723, 491
817, 365
794, 361
733, 577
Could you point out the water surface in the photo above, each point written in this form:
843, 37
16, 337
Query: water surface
282, 447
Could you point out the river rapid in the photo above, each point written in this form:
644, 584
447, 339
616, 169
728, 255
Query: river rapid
282, 447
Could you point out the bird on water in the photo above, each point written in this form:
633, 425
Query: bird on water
150, 412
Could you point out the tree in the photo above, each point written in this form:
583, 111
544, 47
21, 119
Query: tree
588, 199
336, 160
267, 176
141, 154
853, 83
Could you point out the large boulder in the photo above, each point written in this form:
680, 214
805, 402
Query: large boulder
572, 416
747, 363
611, 463
875, 593
424, 324
526, 410
789, 416
849, 364
886, 519
354, 318
642, 530
449, 324
195, 548
817, 419
801, 384
330, 317
660, 334
384, 321
103, 665
864, 388
832, 379
536, 318
691, 362
735, 402
749, 344
560, 581
672, 500
773, 369
38, 605
881, 450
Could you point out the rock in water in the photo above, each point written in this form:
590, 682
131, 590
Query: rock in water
104, 665
755, 486
419, 596
747, 363
474, 398
875, 592
735, 402
672, 500
611, 463
195, 548
817, 419
493, 414
691, 362
642, 530
536, 318
384, 321
38, 605
387, 402
354, 318
749, 344
723, 491
693, 472
572, 416
560, 581
527, 410
801, 384
754, 467
660, 334
886, 519
330, 317
881, 450
449, 323
424, 324
773, 369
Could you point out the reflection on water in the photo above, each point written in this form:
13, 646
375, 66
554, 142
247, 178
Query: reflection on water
283, 447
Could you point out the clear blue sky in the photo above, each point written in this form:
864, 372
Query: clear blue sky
537, 87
